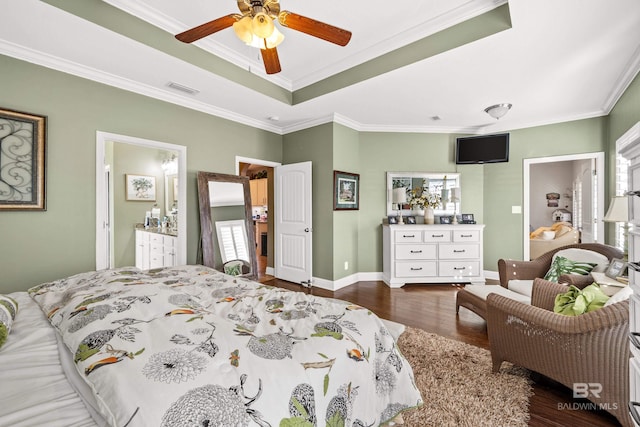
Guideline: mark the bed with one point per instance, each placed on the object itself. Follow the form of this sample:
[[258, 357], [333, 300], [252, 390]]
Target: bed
[[190, 346]]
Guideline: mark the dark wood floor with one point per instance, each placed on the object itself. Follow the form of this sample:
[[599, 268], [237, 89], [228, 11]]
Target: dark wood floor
[[432, 308]]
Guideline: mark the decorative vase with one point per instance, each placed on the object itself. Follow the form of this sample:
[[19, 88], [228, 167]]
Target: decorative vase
[[417, 212], [428, 216]]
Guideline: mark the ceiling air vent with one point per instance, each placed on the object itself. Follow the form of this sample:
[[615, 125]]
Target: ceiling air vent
[[182, 88]]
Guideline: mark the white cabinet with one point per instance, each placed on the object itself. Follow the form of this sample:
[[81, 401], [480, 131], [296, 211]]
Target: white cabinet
[[155, 250], [432, 254], [629, 147]]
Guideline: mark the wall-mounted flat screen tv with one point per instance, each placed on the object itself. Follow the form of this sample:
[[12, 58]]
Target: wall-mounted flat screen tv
[[482, 149]]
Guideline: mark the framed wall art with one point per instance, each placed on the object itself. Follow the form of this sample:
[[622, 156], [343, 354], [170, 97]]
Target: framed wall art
[[22, 161], [346, 191], [140, 188]]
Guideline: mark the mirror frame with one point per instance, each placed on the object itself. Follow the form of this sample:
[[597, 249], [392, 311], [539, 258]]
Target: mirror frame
[[424, 175], [206, 224]]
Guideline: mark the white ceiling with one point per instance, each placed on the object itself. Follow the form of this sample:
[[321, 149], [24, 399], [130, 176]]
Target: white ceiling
[[561, 60]]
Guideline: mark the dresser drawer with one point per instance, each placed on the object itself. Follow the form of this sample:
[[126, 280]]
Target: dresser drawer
[[466, 236], [416, 251], [437, 236], [416, 269], [459, 251], [459, 268], [409, 236]]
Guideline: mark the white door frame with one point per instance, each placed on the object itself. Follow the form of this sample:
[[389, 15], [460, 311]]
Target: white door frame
[[240, 159], [101, 195], [600, 176]]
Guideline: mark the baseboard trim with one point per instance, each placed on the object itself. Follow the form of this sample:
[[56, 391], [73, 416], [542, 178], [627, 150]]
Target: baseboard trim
[[334, 285]]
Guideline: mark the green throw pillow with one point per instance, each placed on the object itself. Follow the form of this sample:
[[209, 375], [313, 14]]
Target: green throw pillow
[[8, 310], [233, 268], [576, 301], [562, 265]]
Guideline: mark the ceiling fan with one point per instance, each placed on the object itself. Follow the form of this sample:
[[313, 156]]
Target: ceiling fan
[[255, 26]]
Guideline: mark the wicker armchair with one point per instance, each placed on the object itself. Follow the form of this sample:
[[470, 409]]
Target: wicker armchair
[[590, 348], [528, 270]]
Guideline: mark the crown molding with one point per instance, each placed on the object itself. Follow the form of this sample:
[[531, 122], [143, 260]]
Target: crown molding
[[630, 72], [79, 70], [462, 13]]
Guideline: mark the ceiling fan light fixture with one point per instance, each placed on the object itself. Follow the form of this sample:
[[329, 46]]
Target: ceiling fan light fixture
[[242, 28], [262, 25], [498, 110], [274, 39]]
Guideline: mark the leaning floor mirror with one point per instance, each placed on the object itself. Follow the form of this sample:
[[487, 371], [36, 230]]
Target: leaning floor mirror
[[226, 224]]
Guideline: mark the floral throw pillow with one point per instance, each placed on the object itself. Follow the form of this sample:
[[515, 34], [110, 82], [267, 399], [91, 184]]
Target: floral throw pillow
[[562, 265], [8, 310]]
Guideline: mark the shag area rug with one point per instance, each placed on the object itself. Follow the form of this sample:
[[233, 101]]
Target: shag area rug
[[458, 387]]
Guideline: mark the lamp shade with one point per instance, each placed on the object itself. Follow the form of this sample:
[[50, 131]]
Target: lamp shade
[[455, 194], [399, 195], [618, 210]]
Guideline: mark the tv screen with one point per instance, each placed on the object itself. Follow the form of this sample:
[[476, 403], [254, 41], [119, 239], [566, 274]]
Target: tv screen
[[482, 149]]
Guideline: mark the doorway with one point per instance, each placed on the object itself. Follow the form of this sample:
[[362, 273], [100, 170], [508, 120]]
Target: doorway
[[107, 214], [261, 176], [583, 194]]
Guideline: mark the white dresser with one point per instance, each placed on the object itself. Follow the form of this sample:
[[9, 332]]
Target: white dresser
[[155, 250], [432, 254], [629, 147]]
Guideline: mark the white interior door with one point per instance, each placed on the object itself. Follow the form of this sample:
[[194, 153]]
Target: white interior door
[[587, 178], [293, 233]]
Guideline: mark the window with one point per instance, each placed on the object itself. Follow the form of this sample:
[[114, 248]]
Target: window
[[622, 186], [232, 239]]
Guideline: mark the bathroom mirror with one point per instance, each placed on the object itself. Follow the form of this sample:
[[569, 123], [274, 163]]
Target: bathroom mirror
[[434, 182], [226, 222]]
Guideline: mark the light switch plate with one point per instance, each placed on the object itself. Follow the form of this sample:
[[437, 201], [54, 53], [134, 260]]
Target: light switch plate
[[516, 209]]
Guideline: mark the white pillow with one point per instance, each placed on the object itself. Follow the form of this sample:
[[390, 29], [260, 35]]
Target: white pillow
[[621, 295], [584, 255]]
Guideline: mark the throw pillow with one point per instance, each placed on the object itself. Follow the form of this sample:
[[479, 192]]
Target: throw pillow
[[585, 255], [8, 310], [578, 301], [233, 268], [622, 295], [561, 265]]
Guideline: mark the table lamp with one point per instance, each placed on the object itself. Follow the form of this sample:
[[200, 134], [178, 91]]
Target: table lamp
[[619, 212], [399, 197]]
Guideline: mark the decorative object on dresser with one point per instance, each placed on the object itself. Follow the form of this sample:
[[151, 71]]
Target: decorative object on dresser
[[432, 254], [346, 191], [23, 141], [399, 199]]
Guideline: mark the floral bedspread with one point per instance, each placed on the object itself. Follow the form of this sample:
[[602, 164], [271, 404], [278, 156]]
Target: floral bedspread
[[190, 346]]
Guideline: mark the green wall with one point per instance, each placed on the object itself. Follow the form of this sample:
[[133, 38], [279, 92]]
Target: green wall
[[41, 246], [315, 145]]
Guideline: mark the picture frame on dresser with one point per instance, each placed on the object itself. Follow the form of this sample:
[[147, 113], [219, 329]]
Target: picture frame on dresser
[[446, 219], [616, 268], [392, 219], [410, 219], [23, 148]]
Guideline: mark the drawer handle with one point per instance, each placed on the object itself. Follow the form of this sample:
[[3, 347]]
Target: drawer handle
[[457, 251], [466, 235], [408, 235], [416, 252], [459, 268], [634, 266], [634, 412], [416, 269], [633, 336], [437, 235]]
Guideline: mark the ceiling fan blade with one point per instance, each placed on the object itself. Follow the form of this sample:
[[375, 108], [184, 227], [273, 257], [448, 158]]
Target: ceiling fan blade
[[208, 28], [314, 28], [271, 60]]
